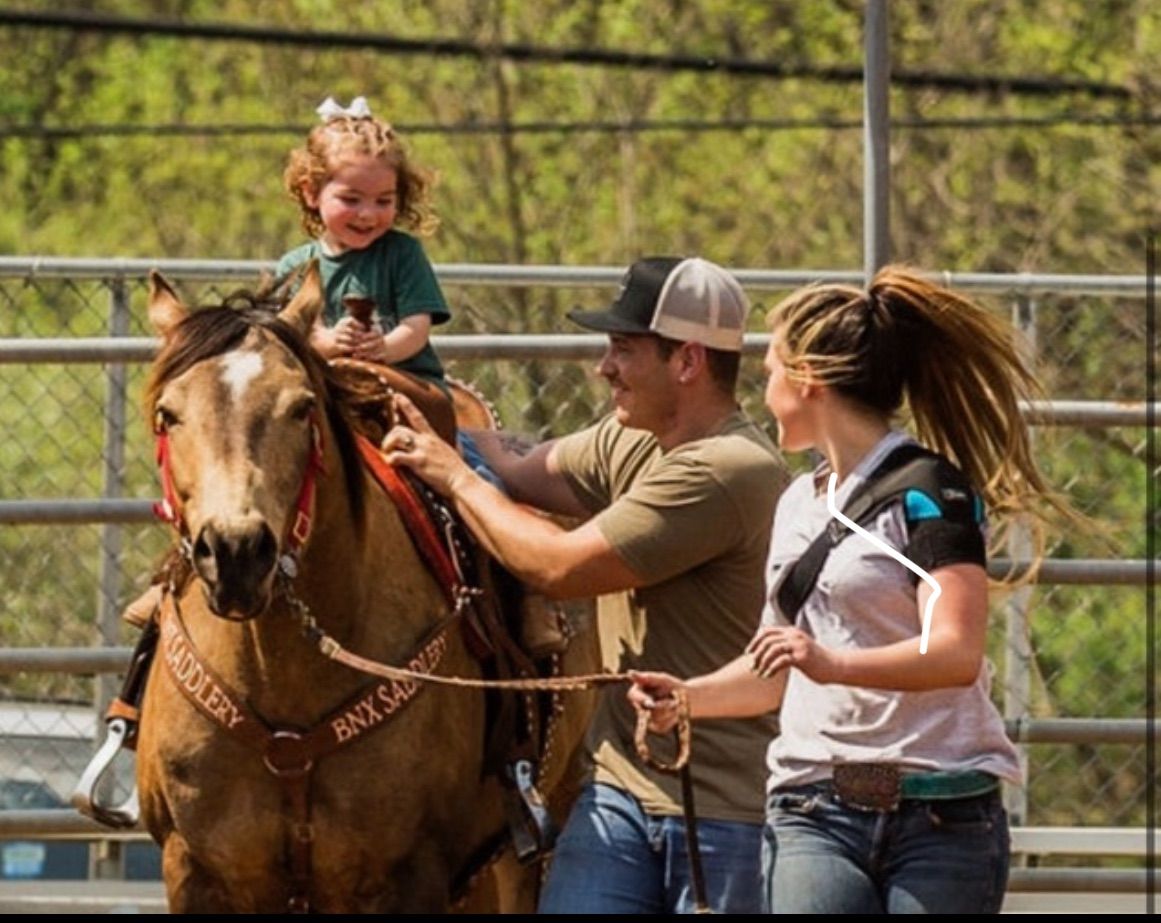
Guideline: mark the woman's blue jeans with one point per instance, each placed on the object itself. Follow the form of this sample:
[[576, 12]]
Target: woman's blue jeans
[[820, 856], [612, 857]]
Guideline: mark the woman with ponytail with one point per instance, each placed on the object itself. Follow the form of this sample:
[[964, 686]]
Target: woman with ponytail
[[884, 786]]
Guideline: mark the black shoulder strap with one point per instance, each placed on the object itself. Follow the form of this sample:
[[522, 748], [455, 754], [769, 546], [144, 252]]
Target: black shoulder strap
[[900, 470]]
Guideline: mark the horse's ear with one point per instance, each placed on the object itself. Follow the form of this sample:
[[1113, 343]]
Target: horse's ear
[[306, 305], [265, 289], [165, 309]]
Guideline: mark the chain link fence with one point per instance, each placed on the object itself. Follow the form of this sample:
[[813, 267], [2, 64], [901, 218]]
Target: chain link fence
[[74, 430]]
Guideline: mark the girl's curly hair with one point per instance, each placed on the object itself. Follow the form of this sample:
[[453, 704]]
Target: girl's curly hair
[[310, 166]]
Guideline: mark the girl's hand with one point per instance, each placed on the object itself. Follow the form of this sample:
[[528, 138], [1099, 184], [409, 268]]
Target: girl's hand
[[346, 335], [370, 345], [654, 693], [325, 341]]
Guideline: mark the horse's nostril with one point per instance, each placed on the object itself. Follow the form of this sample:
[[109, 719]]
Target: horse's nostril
[[205, 558], [232, 553], [266, 548], [203, 547], [235, 559]]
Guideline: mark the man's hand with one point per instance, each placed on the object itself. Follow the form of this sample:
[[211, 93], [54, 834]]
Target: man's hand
[[414, 444]]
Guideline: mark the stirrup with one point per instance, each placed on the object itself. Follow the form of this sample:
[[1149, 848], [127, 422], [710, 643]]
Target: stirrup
[[119, 817], [532, 827]]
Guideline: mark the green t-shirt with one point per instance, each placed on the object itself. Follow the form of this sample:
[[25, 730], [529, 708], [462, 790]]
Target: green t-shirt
[[395, 272], [694, 523]]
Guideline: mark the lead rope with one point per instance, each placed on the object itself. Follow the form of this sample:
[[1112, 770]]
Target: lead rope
[[701, 901], [680, 766]]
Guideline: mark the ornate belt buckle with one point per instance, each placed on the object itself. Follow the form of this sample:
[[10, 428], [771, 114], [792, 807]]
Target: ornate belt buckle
[[868, 786]]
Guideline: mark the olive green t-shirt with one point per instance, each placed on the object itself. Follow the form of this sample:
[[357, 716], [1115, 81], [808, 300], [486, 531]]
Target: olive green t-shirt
[[395, 273], [694, 524]]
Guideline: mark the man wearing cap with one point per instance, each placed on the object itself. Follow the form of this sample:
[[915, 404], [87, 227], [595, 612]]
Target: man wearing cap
[[677, 490]]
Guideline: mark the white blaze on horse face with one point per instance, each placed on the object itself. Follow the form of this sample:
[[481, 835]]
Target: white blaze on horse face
[[228, 481], [238, 370]]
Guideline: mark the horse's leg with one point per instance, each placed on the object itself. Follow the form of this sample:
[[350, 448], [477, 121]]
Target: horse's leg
[[189, 887], [508, 886], [417, 884], [192, 886]]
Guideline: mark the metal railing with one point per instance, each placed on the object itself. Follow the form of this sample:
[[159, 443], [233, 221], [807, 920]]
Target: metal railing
[[113, 511]]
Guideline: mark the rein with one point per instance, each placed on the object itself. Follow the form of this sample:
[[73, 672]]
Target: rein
[[680, 765]]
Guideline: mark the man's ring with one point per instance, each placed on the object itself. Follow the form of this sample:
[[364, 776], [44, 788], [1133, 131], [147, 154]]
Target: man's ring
[[406, 442]]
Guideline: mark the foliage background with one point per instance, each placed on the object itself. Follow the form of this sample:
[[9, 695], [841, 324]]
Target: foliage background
[[1065, 196], [153, 146]]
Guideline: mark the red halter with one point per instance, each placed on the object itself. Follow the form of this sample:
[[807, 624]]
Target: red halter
[[168, 508]]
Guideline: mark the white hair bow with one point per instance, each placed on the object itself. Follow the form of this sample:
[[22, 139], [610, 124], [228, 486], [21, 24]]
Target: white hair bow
[[358, 109]]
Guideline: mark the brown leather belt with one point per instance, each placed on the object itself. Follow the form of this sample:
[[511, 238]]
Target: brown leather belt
[[883, 786]]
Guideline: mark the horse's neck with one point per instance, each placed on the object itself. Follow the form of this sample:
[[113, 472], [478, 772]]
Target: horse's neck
[[370, 584]]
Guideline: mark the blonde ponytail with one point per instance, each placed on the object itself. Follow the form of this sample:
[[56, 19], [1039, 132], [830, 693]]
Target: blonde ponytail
[[955, 365]]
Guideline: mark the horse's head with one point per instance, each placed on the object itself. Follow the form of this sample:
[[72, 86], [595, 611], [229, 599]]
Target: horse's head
[[238, 402]]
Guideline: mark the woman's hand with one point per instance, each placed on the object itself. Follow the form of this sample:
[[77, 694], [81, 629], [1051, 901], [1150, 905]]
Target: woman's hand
[[776, 647], [655, 693], [414, 444]]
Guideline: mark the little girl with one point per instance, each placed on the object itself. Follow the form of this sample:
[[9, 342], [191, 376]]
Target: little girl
[[353, 181]]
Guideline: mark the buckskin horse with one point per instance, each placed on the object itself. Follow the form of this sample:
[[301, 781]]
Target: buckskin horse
[[275, 778]]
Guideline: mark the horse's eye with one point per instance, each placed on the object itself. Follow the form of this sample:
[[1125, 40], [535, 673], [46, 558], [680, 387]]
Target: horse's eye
[[163, 420], [302, 410]]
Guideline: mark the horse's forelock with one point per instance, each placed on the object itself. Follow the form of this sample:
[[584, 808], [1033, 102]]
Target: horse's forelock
[[213, 331], [201, 335]]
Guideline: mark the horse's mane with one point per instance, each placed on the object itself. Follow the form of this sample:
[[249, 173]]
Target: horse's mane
[[210, 331]]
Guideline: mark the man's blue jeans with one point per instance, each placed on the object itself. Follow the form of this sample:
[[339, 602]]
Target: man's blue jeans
[[612, 857], [819, 856]]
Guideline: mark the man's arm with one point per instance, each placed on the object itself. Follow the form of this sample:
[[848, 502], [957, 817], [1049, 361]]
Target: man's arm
[[529, 471], [564, 563]]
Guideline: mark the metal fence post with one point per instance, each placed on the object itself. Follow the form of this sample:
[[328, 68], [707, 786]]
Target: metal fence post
[[1017, 629], [107, 859], [876, 144]]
